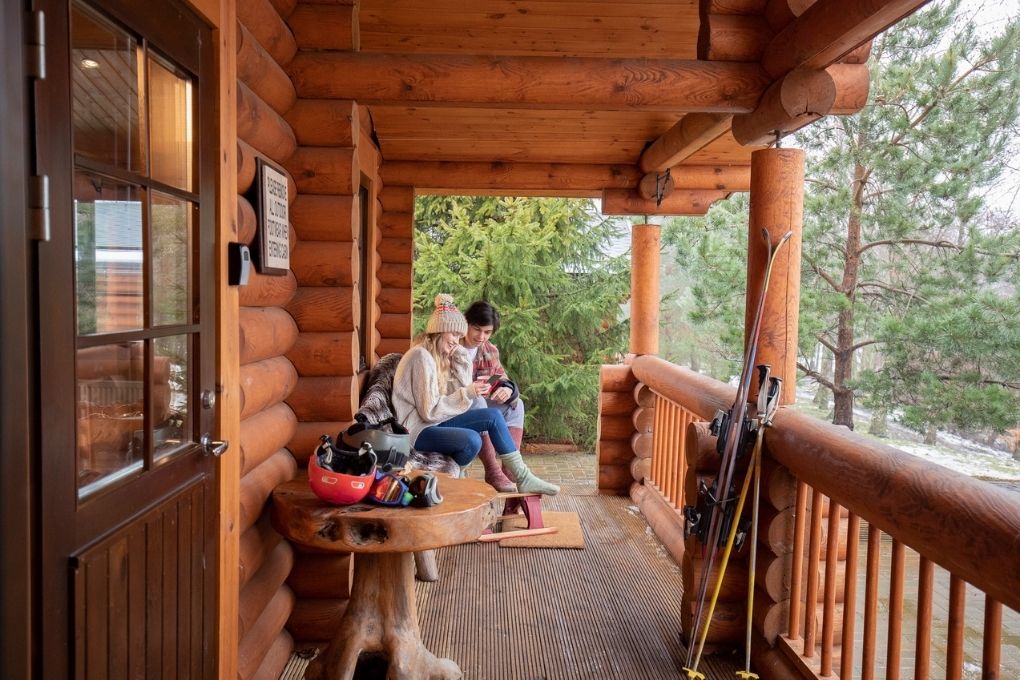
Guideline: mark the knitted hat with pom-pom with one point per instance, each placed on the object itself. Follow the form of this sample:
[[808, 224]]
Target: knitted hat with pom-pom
[[446, 318]]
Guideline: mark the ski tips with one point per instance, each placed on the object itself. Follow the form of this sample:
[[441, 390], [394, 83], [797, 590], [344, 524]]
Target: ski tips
[[779, 244], [768, 239]]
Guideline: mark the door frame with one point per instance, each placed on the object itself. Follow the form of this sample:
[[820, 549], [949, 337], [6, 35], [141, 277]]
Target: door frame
[[17, 417]]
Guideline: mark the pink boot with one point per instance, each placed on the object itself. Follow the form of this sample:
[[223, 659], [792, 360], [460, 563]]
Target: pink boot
[[494, 475]]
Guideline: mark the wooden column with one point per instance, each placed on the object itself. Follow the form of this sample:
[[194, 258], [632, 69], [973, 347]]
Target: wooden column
[[777, 204], [644, 289]]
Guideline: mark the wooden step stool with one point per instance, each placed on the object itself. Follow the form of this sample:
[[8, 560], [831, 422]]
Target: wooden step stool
[[528, 504]]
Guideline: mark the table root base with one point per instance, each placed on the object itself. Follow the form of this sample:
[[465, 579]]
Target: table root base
[[382, 618]]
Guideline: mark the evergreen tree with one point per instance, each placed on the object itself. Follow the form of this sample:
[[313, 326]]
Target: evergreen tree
[[543, 264], [897, 256]]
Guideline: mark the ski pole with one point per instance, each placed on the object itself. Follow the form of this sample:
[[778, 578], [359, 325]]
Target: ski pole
[[692, 672], [733, 434], [768, 404]]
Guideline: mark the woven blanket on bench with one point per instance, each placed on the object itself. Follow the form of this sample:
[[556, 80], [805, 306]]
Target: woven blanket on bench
[[377, 406]]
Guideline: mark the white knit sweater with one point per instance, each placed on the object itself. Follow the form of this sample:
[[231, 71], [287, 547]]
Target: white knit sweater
[[417, 400]]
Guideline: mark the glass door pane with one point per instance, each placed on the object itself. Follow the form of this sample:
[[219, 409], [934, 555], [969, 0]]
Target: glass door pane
[[109, 255], [107, 93], [111, 412], [170, 112]]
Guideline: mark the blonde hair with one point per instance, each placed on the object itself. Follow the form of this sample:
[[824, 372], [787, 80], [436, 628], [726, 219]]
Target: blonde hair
[[430, 341]]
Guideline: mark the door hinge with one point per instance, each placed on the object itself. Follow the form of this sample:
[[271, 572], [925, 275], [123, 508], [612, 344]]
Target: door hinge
[[39, 207], [35, 45]]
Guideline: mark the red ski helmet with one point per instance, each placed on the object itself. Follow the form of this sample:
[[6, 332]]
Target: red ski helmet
[[338, 488]]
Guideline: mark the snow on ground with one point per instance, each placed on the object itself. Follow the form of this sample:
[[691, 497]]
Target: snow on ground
[[984, 464], [954, 452]]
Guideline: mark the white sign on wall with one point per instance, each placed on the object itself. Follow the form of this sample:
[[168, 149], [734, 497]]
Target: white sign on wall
[[272, 238]]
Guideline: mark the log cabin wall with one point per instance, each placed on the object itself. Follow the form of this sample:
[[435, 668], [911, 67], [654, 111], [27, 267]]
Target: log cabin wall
[[394, 274], [267, 332], [337, 306], [617, 410]]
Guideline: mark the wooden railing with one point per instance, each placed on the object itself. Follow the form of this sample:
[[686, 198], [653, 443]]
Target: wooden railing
[[882, 508]]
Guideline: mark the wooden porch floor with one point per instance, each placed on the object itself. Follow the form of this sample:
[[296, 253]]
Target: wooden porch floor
[[611, 610]]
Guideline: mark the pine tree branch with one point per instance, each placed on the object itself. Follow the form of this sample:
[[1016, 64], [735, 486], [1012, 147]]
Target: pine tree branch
[[820, 183], [825, 342], [816, 376], [907, 241], [892, 289], [984, 381], [822, 274], [934, 244], [937, 101], [862, 343]]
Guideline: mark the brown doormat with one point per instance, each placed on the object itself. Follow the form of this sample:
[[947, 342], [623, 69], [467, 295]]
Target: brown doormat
[[568, 534]]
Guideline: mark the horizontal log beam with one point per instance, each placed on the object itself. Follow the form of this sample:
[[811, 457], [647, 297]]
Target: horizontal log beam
[[713, 177], [261, 127], [397, 198], [779, 13], [829, 29], [685, 202], [269, 28], [733, 37], [691, 133], [325, 122], [264, 332], [674, 85], [326, 27], [733, 6], [257, 69], [510, 176], [801, 97], [326, 218]]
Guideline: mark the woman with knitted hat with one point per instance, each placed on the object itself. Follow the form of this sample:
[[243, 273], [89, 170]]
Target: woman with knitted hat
[[432, 396]]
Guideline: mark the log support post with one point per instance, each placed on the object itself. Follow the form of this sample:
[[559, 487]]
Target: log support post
[[644, 286], [777, 204]]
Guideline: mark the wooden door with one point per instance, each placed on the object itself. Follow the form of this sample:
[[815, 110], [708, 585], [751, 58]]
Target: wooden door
[[126, 135]]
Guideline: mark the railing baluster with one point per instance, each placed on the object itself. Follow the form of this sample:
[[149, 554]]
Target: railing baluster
[[853, 538], [871, 603], [829, 608], [811, 592], [658, 435], [797, 561], [954, 641], [667, 474], [681, 462], [678, 473], [894, 639], [992, 647], [922, 651]]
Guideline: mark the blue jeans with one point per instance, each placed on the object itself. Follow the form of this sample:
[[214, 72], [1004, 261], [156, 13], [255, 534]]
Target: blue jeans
[[460, 437]]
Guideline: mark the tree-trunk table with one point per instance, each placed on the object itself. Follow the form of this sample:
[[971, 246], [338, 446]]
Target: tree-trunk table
[[382, 615]]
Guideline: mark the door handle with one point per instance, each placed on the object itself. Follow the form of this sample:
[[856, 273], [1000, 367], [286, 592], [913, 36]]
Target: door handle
[[216, 448]]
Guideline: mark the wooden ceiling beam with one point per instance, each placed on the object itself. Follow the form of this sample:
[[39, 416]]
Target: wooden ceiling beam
[[701, 177], [691, 133], [675, 85], [733, 37], [547, 179], [497, 176], [680, 202], [800, 97], [829, 29]]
